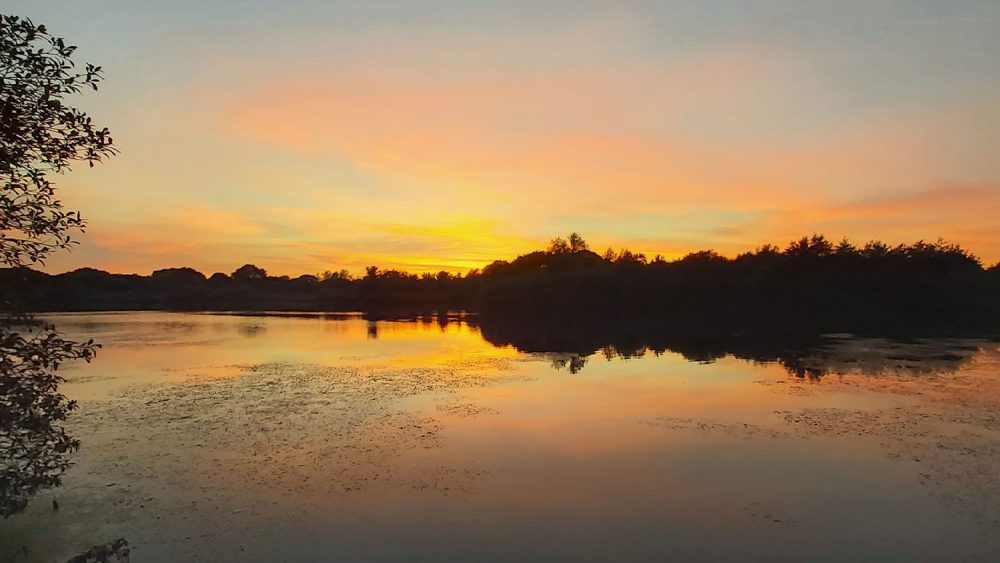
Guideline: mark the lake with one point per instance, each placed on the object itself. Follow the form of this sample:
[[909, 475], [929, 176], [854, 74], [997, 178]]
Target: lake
[[223, 437]]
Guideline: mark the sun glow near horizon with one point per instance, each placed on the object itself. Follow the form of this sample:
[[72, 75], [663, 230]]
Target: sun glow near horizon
[[328, 136]]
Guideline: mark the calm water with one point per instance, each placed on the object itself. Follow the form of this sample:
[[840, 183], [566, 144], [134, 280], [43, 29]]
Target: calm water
[[274, 438]]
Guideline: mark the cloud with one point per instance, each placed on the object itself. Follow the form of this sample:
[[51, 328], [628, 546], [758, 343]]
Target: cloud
[[435, 146]]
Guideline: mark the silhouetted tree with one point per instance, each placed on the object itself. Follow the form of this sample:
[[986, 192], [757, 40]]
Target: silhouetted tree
[[34, 443], [338, 275], [812, 284], [39, 135], [628, 257], [815, 246], [845, 249], [249, 272], [558, 245], [576, 243], [178, 276]]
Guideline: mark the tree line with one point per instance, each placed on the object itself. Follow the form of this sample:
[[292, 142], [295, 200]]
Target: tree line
[[810, 280]]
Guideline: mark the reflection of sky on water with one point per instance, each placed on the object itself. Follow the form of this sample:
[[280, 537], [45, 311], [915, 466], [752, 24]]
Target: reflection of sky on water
[[424, 441]]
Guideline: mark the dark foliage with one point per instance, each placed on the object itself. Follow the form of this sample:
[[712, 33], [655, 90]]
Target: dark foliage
[[34, 444], [573, 341], [811, 285], [39, 136]]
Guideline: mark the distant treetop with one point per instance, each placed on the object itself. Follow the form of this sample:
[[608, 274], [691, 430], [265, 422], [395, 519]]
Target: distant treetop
[[249, 272]]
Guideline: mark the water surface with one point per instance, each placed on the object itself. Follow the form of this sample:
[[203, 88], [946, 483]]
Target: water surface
[[331, 437]]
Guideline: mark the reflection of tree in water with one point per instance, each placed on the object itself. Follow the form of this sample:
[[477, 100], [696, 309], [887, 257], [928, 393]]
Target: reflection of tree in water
[[801, 353], [569, 343], [877, 356], [570, 362], [252, 330], [35, 446], [613, 352]]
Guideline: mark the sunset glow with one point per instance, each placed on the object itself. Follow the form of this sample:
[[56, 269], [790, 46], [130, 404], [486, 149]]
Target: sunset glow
[[442, 135]]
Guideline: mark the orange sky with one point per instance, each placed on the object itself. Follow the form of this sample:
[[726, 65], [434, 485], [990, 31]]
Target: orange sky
[[442, 135]]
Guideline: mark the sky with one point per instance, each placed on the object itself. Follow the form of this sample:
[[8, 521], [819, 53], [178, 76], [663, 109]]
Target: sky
[[321, 135]]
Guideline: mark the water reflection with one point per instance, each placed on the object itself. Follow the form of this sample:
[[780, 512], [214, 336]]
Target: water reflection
[[572, 344], [252, 330], [572, 363], [569, 344], [322, 435]]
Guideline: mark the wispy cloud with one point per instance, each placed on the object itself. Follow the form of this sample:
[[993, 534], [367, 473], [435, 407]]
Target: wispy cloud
[[432, 140]]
